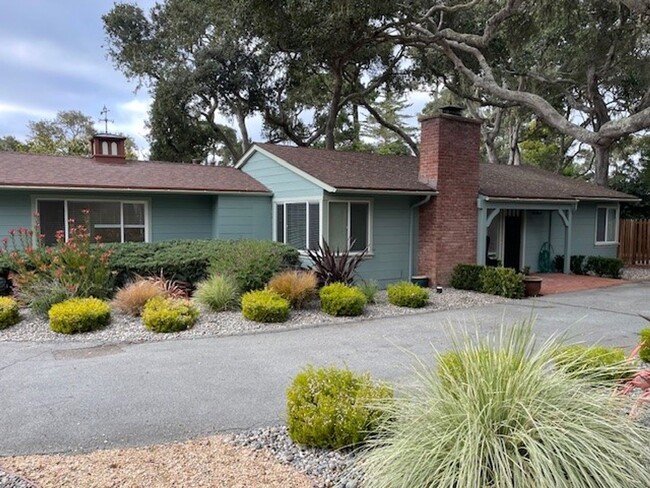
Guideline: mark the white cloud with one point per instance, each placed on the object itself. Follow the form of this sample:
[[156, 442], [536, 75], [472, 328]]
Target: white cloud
[[130, 118], [35, 112]]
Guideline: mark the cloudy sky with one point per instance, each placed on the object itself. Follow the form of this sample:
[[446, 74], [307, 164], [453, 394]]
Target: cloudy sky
[[51, 59]]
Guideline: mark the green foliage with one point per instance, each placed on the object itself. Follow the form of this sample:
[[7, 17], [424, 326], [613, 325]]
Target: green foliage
[[505, 282], [298, 287], [249, 262], [595, 362], [218, 293], [466, 277], [42, 294], [644, 352], [339, 299], [369, 288], [9, 312], [497, 416], [577, 265], [264, 306], [80, 264], [169, 314], [79, 315], [335, 266], [602, 266], [405, 294], [333, 408]]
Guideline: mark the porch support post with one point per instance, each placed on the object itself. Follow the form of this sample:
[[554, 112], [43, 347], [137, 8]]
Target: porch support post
[[485, 218], [567, 219]]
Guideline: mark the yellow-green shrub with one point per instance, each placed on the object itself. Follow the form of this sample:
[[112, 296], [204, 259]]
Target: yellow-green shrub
[[405, 294], [339, 299], [169, 314], [296, 286], [79, 315], [264, 306], [595, 362], [9, 314], [644, 338], [333, 408]]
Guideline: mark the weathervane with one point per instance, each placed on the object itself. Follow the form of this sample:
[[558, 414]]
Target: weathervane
[[106, 120]]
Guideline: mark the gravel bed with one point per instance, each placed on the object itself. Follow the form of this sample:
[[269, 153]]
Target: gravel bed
[[331, 468], [636, 273], [124, 328], [10, 480]]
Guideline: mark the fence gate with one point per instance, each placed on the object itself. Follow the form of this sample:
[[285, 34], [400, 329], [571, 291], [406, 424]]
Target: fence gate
[[634, 238]]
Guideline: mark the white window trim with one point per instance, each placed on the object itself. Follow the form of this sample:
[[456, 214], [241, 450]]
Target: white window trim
[[145, 202], [370, 203], [606, 243], [307, 202]]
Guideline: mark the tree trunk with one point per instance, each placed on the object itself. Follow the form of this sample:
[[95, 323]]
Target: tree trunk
[[243, 131], [514, 156], [601, 164], [334, 109]]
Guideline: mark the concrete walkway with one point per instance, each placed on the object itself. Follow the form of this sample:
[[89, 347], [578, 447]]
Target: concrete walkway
[[71, 397]]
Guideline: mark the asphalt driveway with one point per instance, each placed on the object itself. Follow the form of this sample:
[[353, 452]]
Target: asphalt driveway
[[78, 397]]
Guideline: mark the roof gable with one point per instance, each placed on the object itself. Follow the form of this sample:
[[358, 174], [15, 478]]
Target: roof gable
[[24, 170]]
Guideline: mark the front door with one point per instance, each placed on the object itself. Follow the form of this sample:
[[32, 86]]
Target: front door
[[512, 241]]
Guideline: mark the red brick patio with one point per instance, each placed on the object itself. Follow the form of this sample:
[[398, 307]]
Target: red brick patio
[[553, 283]]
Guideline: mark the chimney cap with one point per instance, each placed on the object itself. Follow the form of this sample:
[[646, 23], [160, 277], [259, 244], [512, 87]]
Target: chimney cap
[[456, 110]]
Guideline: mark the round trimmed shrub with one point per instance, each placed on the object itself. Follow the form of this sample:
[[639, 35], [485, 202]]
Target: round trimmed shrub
[[169, 314], [333, 408], [405, 294], [218, 293], [9, 313], [595, 362], [264, 306], [339, 299], [79, 315], [644, 338]]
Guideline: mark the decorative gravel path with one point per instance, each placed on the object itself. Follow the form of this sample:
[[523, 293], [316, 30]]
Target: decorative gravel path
[[124, 328]]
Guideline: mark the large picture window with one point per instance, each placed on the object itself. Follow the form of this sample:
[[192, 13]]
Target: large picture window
[[113, 221], [349, 225], [298, 224], [606, 225]]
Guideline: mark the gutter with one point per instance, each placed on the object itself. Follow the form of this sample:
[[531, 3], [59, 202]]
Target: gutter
[[429, 193], [133, 190], [413, 207]]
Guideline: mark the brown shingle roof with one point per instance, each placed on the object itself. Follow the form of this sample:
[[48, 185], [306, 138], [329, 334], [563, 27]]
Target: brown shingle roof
[[35, 170], [361, 171], [527, 182], [353, 170]]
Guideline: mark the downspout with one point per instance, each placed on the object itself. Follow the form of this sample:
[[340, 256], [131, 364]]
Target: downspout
[[413, 207]]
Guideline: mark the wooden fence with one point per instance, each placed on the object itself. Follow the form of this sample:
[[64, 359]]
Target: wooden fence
[[634, 238]]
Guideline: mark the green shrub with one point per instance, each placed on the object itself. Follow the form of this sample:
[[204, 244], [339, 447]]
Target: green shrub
[[42, 293], [333, 408], [466, 277], [644, 351], [369, 288], [79, 315], [339, 299], [218, 293], [169, 314], [596, 362], [577, 265], [505, 282], [298, 287], [507, 421], [264, 306], [405, 294], [9, 312], [190, 260], [602, 266], [253, 263]]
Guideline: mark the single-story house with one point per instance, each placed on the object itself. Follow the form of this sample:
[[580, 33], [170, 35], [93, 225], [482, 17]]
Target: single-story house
[[415, 216]]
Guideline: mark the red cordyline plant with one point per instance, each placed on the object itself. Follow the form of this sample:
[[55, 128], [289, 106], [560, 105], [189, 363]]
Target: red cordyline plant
[[79, 264], [332, 266]]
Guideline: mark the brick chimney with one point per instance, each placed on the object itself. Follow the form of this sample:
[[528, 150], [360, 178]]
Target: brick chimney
[[108, 148], [449, 162]]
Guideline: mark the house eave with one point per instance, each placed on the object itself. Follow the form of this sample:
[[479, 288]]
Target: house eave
[[364, 191], [608, 199], [131, 190], [529, 200]]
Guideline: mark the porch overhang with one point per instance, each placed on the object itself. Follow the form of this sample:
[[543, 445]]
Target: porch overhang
[[489, 207]]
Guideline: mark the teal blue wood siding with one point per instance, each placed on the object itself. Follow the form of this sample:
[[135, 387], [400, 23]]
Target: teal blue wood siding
[[181, 217], [389, 261], [15, 211], [543, 226], [284, 184], [242, 217]]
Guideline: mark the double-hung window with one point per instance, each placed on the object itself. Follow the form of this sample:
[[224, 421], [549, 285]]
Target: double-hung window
[[606, 225], [112, 221], [298, 224], [349, 225]]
